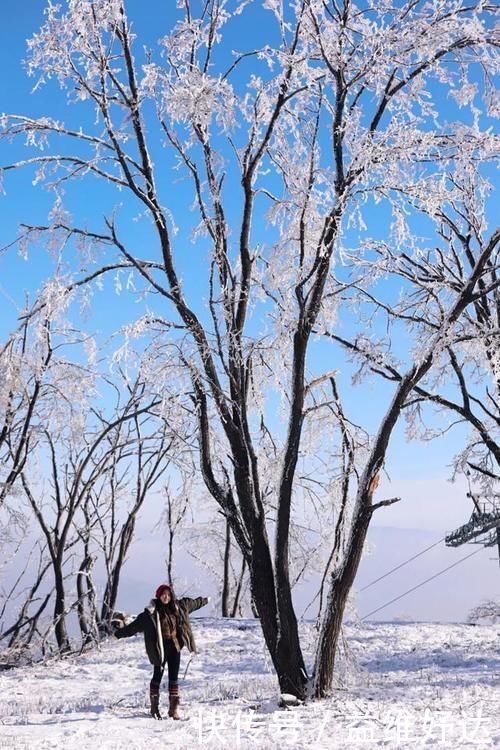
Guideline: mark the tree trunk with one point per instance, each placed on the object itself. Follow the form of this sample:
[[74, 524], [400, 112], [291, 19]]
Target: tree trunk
[[341, 583], [236, 602], [343, 578], [276, 613], [289, 661], [82, 595], [283, 643], [86, 601], [225, 580], [170, 557], [113, 582], [60, 628]]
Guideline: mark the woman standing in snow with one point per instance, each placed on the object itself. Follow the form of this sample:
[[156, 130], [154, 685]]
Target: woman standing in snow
[[166, 627]]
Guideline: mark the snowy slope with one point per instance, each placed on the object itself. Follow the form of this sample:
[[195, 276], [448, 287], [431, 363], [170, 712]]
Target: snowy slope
[[400, 685]]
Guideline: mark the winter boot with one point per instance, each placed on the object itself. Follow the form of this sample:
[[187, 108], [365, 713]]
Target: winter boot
[[174, 702], [154, 694]]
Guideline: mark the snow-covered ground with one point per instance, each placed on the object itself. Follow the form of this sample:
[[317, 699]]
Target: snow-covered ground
[[404, 685]]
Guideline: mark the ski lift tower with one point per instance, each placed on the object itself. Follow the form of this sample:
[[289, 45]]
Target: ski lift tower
[[483, 527]]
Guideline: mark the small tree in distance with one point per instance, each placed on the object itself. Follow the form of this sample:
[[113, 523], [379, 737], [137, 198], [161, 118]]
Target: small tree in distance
[[298, 152]]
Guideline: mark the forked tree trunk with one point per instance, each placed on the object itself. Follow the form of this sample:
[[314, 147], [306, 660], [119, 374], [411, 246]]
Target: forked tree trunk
[[288, 660], [113, 582], [281, 640]]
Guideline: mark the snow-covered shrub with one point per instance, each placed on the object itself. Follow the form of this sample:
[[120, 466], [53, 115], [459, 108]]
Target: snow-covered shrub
[[486, 612]]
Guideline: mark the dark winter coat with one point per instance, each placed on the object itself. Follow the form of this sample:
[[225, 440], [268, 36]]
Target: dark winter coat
[[148, 622]]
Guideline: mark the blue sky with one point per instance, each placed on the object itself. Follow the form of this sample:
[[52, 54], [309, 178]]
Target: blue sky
[[418, 471]]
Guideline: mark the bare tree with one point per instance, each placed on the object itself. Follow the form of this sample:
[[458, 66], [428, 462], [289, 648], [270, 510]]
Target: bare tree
[[452, 293], [153, 451], [77, 465], [176, 506]]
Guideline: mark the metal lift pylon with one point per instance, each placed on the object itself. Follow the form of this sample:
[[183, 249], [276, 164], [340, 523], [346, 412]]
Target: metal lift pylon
[[483, 527]]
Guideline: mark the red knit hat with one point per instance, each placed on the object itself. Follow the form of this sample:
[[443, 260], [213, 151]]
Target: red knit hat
[[161, 590]]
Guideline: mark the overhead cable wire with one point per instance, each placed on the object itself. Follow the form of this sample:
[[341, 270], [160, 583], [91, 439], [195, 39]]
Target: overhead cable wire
[[414, 588], [401, 565]]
